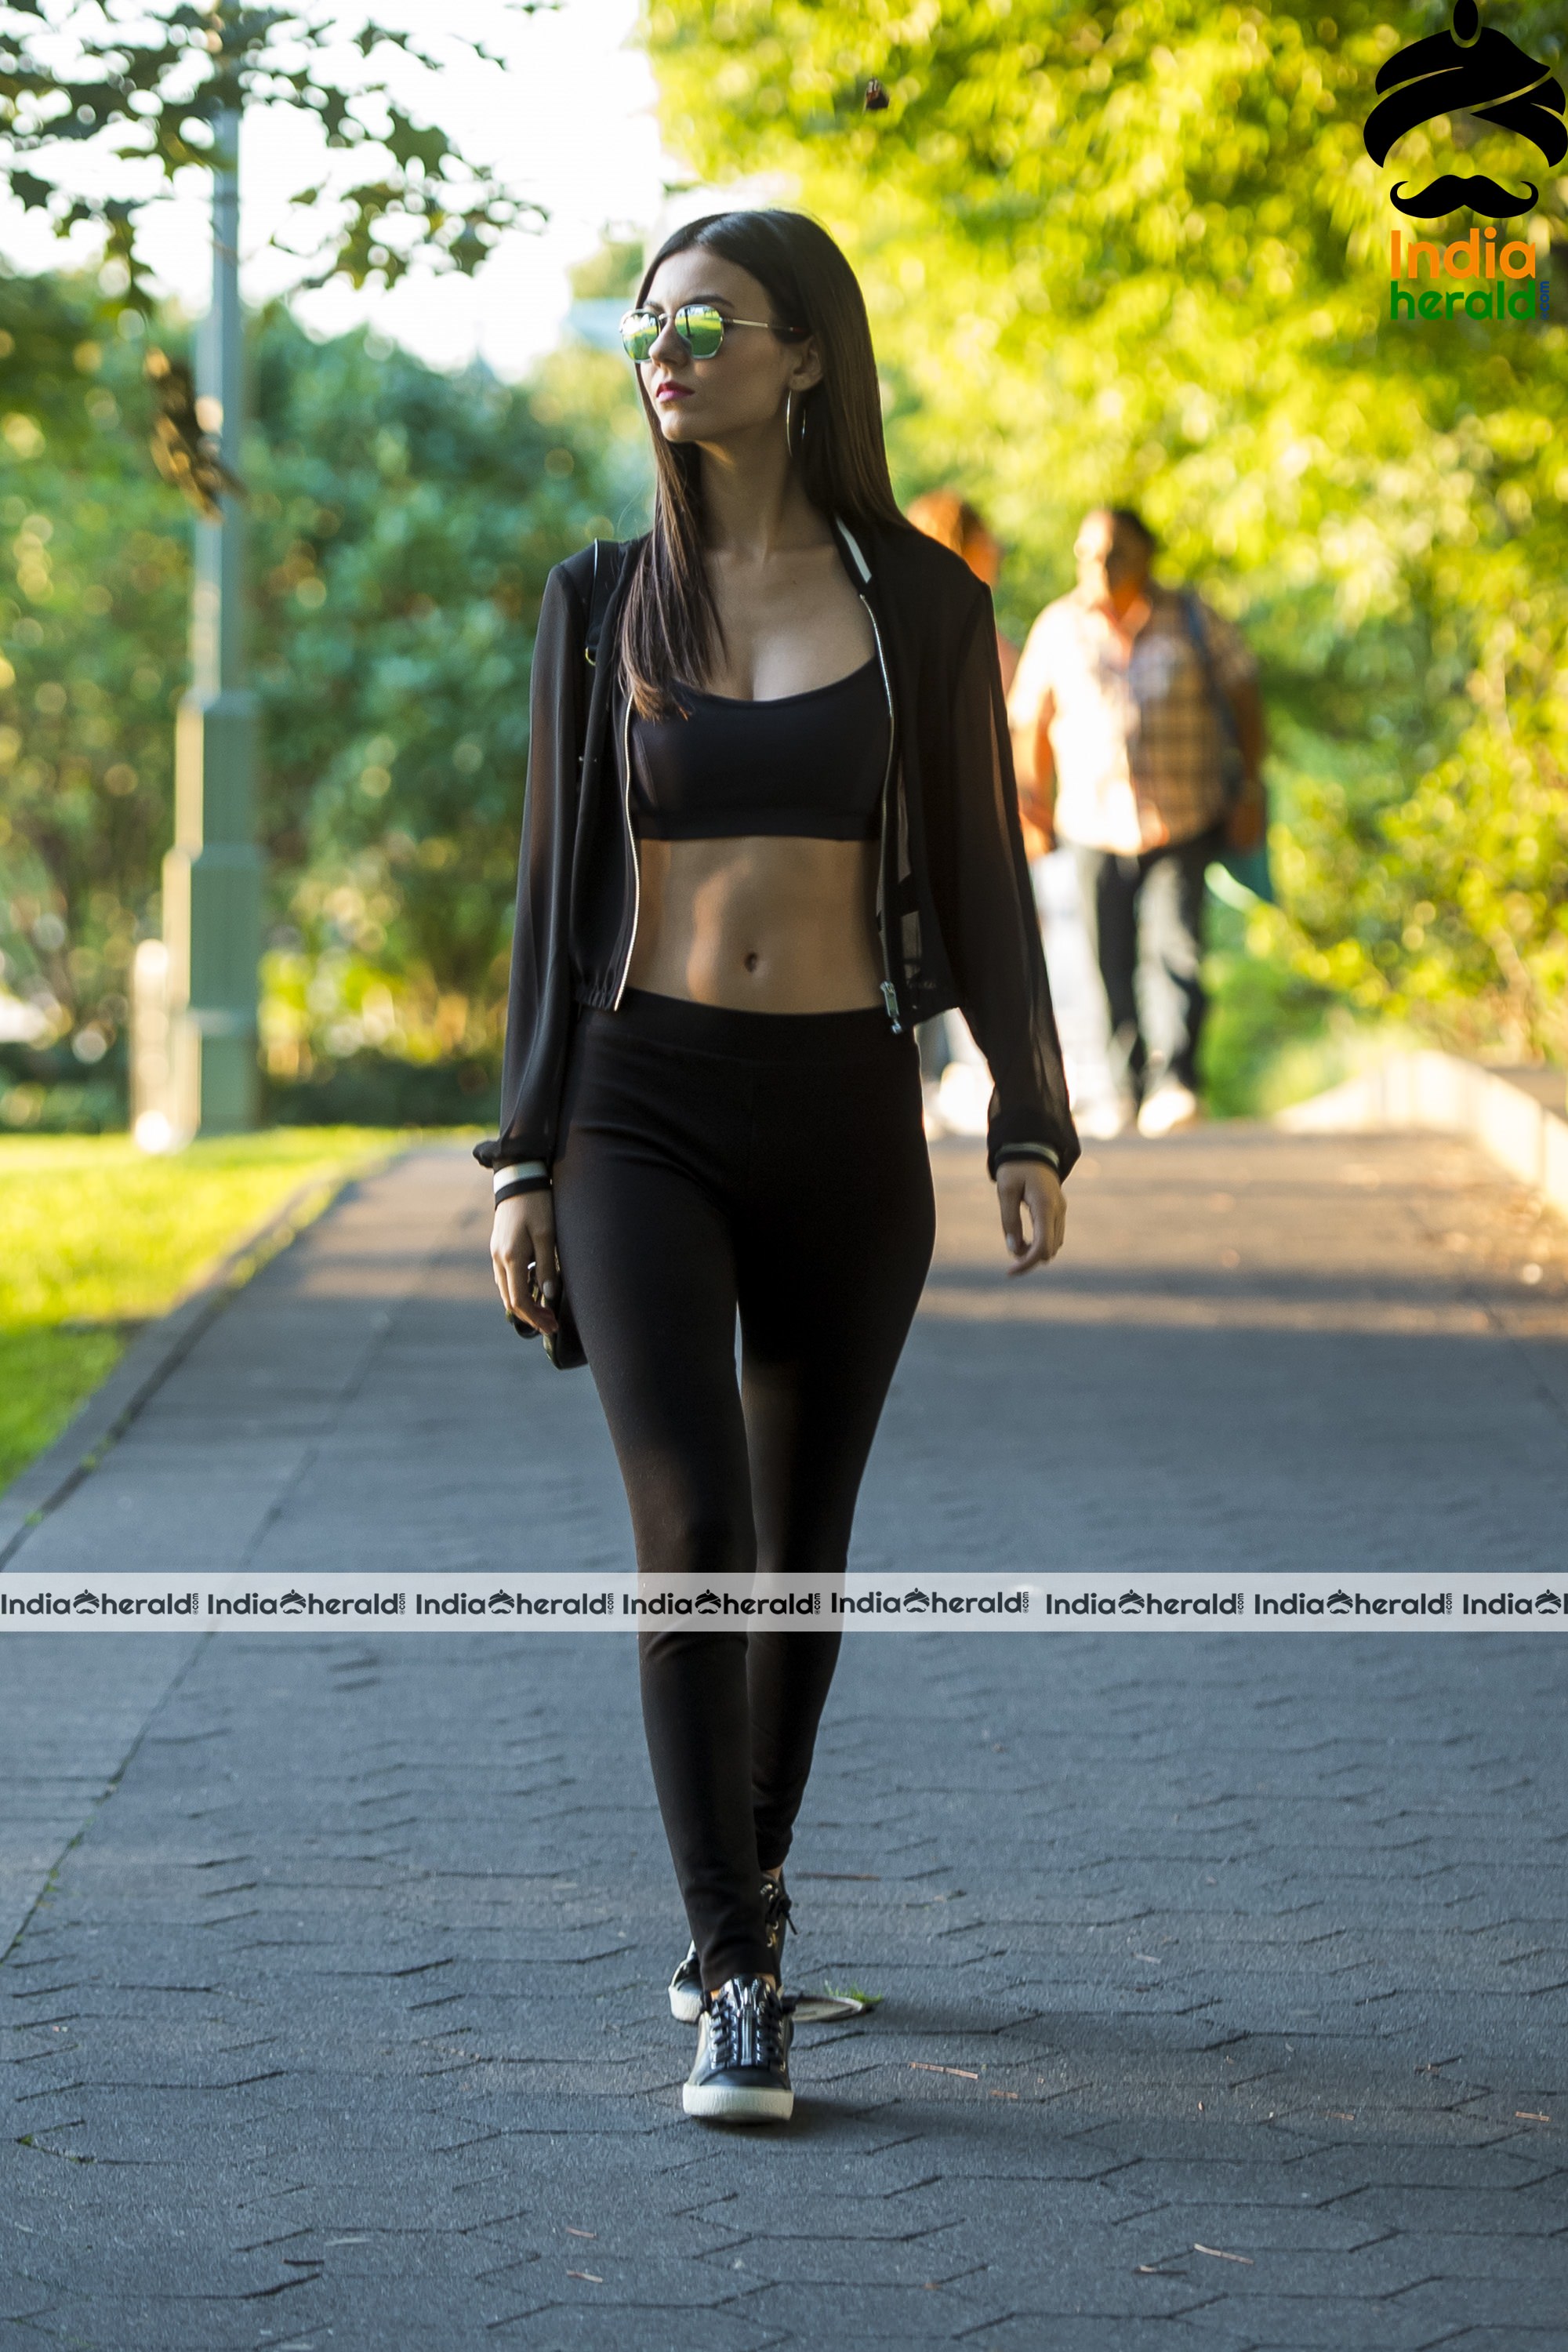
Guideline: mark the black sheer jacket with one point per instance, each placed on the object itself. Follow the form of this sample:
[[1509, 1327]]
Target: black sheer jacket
[[955, 908]]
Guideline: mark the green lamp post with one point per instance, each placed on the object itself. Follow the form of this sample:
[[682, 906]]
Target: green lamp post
[[212, 876]]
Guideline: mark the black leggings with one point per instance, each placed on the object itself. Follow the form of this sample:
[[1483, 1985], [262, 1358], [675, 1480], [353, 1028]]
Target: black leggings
[[774, 1164]]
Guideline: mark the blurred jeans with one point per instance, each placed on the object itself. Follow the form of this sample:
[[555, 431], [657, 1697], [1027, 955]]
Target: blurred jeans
[[1144, 917]]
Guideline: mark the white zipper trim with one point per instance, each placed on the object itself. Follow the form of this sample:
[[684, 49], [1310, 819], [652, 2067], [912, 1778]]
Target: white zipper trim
[[890, 994], [853, 544], [631, 849]]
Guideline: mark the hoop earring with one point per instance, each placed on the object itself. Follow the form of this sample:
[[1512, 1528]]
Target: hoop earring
[[789, 436]]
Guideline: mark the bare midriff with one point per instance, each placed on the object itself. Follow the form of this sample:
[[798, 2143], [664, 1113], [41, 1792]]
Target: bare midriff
[[759, 923]]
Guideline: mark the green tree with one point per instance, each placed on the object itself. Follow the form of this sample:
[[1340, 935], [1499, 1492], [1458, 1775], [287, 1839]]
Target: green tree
[[150, 92], [94, 581], [403, 523], [406, 521], [161, 80], [1139, 253]]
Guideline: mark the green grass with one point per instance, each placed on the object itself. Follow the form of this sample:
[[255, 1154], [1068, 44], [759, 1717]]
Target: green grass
[[97, 1238], [851, 1992]]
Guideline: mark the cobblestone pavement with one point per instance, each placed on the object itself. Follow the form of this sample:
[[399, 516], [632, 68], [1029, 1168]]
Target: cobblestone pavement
[[1225, 1975]]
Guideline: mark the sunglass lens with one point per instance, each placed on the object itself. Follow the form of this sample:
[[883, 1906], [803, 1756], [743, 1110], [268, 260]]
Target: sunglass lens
[[639, 332], [701, 329]]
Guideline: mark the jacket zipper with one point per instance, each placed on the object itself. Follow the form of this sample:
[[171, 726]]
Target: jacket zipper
[[890, 994], [631, 850]]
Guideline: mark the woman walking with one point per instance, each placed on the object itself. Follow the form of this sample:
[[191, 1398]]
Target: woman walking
[[771, 824]]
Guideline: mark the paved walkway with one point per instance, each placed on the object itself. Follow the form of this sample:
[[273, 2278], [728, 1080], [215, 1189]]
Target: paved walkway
[[1225, 1977]]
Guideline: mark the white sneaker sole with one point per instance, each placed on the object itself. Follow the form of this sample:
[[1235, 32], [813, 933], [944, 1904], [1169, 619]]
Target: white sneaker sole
[[723, 2102], [684, 2004], [1159, 1118]]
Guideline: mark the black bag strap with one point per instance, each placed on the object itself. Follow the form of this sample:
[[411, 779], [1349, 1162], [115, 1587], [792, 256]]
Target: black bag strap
[[1191, 615], [1225, 716], [605, 574], [609, 556]]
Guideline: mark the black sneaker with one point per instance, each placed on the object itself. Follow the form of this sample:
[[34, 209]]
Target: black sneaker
[[686, 1984], [685, 1989], [742, 2074]]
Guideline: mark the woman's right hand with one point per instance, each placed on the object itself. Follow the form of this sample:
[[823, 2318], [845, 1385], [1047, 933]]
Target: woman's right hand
[[523, 1241]]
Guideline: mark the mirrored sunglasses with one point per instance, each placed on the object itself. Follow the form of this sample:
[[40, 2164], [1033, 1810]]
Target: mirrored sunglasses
[[701, 326]]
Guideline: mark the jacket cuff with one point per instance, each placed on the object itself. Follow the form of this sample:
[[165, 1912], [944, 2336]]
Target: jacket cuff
[[522, 1176], [499, 1156], [1046, 1152], [534, 1170]]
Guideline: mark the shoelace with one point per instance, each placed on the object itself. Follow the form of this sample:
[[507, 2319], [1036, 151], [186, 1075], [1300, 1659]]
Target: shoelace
[[776, 1907], [745, 2024]]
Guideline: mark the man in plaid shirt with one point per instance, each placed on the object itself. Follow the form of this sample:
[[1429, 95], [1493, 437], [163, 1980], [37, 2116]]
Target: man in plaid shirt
[[1121, 753]]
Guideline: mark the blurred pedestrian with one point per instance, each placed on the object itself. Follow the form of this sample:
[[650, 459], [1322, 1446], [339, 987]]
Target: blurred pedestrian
[[1122, 749], [946, 517]]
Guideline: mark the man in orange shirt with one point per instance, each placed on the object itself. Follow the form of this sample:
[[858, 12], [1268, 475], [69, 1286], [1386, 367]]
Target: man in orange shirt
[[1121, 754]]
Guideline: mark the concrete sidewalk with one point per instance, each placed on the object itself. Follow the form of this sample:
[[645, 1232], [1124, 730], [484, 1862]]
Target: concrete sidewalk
[[1225, 1977]]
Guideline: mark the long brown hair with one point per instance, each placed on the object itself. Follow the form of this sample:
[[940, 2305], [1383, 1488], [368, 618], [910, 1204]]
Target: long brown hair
[[672, 627]]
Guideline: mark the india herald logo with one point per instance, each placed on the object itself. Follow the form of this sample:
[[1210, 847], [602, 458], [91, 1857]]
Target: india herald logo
[[1477, 72]]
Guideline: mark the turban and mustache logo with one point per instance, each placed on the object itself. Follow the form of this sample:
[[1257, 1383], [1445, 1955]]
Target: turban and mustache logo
[[1492, 78]]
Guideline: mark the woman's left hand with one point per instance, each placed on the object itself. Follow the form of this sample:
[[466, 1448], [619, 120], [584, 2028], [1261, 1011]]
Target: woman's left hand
[[1032, 1185]]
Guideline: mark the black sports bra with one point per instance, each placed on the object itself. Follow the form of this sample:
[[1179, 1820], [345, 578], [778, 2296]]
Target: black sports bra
[[810, 764]]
